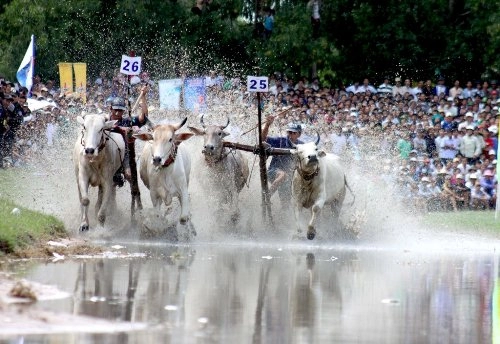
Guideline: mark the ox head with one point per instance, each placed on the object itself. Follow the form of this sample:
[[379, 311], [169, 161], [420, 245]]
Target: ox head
[[165, 141], [93, 138], [307, 155], [213, 138]]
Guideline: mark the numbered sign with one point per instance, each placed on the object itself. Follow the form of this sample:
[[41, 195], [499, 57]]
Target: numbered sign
[[130, 65], [257, 84]]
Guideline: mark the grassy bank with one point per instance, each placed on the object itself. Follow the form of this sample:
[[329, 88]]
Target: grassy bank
[[19, 230], [473, 221]]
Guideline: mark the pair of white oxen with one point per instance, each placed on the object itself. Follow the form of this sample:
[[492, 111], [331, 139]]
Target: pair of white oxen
[[165, 166]]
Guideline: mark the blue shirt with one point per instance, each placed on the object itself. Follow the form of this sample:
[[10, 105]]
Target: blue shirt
[[282, 162]]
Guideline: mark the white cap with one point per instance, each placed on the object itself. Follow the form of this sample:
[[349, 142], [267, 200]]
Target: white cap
[[449, 114], [469, 114], [449, 99]]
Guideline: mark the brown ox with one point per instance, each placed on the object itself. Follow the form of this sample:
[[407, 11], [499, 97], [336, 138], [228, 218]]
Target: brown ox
[[227, 169]]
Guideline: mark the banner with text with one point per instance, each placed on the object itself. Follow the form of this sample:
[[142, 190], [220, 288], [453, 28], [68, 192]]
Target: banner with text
[[170, 93], [194, 94], [80, 69], [66, 77]]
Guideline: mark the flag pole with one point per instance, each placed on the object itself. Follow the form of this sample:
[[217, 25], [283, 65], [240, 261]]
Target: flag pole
[[497, 204]]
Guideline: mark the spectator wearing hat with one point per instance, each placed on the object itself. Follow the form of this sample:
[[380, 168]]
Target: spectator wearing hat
[[479, 199], [399, 88], [281, 166], [469, 121], [462, 192], [488, 183]]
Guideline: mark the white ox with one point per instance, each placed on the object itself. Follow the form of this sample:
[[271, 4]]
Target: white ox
[[165, 166], [97, 155], [227, 169], [318, 180]]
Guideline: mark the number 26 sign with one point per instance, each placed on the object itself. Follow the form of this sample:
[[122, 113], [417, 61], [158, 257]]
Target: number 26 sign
[[130, 65], [257, 84]]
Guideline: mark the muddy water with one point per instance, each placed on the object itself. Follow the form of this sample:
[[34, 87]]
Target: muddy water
[[269, 293]]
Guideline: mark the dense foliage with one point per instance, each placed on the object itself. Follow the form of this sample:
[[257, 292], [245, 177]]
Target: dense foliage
[[418, 39]]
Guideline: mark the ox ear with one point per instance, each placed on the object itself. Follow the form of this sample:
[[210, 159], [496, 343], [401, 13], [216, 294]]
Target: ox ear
[[321, 153], [225, 133], [144, 136], [179, 138], [110, 124], [80, 120], [196, 131]]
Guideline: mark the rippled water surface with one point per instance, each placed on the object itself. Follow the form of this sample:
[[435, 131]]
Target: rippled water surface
[[251, 293]]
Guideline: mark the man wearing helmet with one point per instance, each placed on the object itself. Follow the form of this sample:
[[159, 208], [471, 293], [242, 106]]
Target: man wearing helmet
[[125, 126], [281, 166]]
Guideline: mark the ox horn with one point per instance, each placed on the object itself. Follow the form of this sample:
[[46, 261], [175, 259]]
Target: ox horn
[[317, 141], [224, 127], [178, 126], [201, 121]]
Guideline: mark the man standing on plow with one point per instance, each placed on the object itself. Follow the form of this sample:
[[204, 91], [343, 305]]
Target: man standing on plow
[[126, 126], [281, 166]]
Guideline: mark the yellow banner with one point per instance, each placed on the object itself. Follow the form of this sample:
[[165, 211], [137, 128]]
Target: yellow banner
[[66, 77], [81, 80]]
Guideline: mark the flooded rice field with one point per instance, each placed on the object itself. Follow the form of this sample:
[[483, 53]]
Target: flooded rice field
[[392, 280], [264, 293]]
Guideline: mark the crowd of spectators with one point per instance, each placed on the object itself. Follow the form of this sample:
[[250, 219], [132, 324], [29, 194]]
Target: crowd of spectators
[[434, 145]]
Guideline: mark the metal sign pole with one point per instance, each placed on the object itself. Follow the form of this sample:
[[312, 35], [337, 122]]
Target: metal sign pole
[[266, 202], [134, 184]]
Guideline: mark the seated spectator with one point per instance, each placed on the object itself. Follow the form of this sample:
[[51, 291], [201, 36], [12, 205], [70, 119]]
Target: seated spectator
[[479, 199]]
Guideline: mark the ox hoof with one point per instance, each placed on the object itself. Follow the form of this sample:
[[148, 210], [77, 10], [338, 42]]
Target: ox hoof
[[311, 233], [184, 220], [84, 227]]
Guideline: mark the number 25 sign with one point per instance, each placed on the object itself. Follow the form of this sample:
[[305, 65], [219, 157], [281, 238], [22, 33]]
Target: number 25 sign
[[257, 84], [130, 65]]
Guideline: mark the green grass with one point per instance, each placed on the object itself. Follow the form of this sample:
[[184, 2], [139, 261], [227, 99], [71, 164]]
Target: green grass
[[480, 221], [27, 228]]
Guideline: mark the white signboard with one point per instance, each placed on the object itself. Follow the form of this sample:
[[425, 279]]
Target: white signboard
[[257, 84], [130, 65]]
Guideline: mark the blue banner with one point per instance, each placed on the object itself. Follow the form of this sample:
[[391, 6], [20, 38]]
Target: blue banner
[[194, 94]]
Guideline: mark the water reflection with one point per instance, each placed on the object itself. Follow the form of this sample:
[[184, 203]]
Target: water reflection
[[225, 294]]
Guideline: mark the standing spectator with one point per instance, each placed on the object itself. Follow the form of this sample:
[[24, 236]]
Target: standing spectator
[[338, 140], [398, 88], [419, 143], [404, 145], [367, 87], [268, 22], [470, 147], [418, 89], [427, 90], [440, 90], [315, 5], [468, 91], [456, 90], [385, 87], [448, 148]]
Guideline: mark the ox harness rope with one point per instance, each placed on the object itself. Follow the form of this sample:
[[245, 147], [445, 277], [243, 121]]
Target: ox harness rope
[[171, 156], [306, 176], [104, 138]]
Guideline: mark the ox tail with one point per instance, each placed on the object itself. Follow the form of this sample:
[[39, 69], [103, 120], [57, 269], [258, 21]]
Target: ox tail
[[350, 190]]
